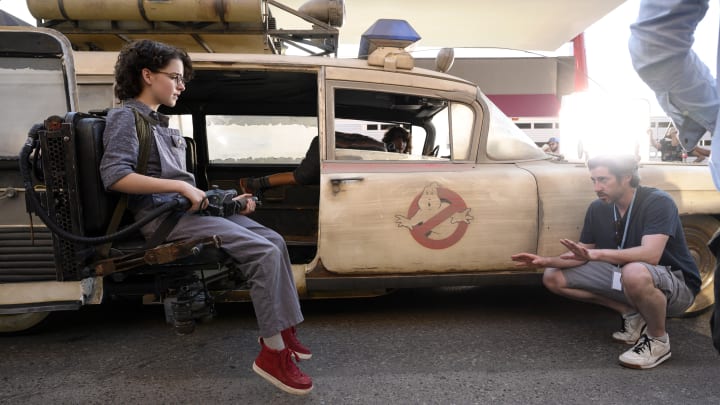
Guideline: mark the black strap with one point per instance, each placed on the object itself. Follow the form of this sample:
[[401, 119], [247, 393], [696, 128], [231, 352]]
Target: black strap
[[171, 220], [144, 134], [162, 231]]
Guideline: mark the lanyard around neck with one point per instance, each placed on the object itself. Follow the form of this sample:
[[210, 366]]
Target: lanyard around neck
[[627, 219]]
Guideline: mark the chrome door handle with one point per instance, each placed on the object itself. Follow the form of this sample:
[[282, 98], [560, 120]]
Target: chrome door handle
[[336, 183]]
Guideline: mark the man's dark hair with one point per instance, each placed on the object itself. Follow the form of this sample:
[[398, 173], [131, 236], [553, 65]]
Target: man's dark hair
[[145, 54], [618, 165], [395, 133]]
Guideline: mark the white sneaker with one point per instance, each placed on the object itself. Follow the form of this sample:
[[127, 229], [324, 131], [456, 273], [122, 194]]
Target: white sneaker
[[632, 327], [647, 353]]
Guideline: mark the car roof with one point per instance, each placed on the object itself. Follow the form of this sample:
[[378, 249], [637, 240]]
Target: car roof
[[103, 62]]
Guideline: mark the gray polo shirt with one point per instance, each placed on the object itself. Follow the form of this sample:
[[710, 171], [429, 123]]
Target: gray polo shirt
[[167, 152]]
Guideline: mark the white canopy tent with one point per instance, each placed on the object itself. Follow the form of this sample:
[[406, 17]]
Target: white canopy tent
[[535, 25]]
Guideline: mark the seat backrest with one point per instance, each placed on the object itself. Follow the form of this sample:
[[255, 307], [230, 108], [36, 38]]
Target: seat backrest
[[191, 163], [190, 155], [98, 205]]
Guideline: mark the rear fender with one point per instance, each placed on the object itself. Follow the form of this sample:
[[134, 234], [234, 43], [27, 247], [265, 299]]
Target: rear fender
[[40, 296]]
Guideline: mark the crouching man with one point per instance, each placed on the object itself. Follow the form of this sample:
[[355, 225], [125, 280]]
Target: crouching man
[[632, 257]]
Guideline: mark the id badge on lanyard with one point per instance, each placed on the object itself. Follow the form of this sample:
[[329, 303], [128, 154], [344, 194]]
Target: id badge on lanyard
[[616, 280]]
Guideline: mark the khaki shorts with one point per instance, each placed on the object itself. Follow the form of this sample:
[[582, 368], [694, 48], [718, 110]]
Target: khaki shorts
[[597, 277]]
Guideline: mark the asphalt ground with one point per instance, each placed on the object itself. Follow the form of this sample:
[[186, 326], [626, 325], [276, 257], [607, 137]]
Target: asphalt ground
[[474, 345]]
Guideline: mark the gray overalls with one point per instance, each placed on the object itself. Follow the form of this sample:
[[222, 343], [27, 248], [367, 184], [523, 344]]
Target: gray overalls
[[260, 253]]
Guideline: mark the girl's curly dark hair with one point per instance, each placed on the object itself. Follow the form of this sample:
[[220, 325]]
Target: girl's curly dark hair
[[139, 55]]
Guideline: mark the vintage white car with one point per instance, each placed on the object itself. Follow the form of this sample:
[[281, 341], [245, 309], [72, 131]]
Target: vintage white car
[[473, 191]]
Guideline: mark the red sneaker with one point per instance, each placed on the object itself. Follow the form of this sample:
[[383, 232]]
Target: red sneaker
[[278, 367], [289, 336]]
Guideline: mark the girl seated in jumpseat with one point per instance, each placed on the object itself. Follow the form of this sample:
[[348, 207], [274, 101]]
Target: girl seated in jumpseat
[[148, 74]]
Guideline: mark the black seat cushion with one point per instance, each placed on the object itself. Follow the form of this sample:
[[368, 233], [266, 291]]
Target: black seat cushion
[[98, 205], [190, 155]]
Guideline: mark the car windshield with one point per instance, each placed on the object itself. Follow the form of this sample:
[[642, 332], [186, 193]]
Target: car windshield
[[505, 140]]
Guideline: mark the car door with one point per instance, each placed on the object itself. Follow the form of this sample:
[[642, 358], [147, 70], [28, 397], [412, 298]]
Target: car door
[[37, 79], [432, 211]]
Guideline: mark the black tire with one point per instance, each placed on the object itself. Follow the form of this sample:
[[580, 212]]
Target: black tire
[[698, 231], [20, 323]]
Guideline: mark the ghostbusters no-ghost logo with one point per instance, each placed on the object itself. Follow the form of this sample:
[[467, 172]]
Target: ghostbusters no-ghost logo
[[437, 217]]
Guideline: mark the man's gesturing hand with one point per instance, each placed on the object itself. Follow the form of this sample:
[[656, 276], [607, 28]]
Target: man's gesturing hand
[[529, 260], [576, 251]]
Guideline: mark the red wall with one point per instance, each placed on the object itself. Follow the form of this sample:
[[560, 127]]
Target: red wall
[[527, 105]]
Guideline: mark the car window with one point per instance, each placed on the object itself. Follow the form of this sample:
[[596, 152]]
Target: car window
[[437, 129], [460, 118], [376, 132], [32, 89], [183, 123], [258, 139]]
